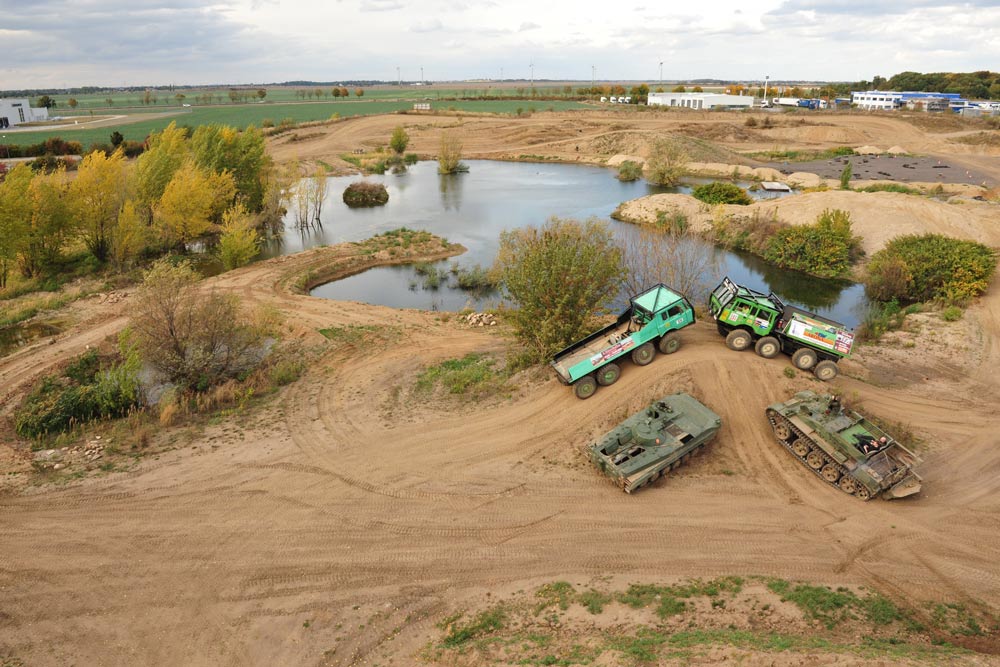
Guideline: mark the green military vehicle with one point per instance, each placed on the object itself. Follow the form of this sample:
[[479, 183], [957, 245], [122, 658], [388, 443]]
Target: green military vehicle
[[655, 441], [747, 317], [843, 448], [650, 323]]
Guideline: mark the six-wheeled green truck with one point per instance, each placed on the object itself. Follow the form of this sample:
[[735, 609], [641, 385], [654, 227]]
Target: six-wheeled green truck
[[747, 317], [650, 323]]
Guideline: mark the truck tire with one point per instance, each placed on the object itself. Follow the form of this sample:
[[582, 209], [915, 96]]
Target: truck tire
[[826, 370], [608, 374], [804, 358], [738, 340], [643, 354], [585, 387], [768, 347], [670, 343]]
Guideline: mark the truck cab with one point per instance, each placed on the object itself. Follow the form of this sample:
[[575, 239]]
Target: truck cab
[[650, 323]]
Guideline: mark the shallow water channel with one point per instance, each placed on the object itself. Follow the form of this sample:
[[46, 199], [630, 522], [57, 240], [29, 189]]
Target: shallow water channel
[[473, 208]]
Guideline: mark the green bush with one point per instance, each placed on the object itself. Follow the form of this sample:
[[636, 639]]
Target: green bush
[[558, 277], [82, 393], [845, 176], [411, 158], [825, 248], [722, 193], [930, 267], [364, 193], [890, 187], [629, 170], [951, 314]]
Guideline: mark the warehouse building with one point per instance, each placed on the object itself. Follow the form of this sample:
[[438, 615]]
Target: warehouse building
[[888, 100], [14, 111], [704, 101]]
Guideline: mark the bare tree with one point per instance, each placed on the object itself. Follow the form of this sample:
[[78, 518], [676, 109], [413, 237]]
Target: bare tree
[[317, 192], [667, 253]]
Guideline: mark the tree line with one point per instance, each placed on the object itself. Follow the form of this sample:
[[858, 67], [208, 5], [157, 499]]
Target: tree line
[[216, 181]]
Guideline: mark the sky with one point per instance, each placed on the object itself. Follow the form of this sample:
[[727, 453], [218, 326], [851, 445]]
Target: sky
[[69, 43]]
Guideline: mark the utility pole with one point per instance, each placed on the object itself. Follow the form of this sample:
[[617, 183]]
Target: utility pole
[[661, 74], [421, 76], [593, 76]]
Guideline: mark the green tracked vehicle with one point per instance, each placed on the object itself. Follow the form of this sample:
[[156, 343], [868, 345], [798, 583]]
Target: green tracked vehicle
[[843, 448], [654, 441]]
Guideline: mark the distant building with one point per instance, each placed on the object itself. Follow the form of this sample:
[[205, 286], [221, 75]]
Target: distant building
[[700, 100], [15, 111], [888, 100]]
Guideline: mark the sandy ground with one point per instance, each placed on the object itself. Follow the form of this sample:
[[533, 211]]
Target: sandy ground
[[340, 522]]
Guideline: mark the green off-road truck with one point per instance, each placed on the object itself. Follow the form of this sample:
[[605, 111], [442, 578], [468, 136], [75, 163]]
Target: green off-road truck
[[747, 317], [650, 323]]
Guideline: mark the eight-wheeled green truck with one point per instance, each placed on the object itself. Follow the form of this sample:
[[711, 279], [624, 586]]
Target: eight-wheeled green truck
[[747, 317], [650, 323]]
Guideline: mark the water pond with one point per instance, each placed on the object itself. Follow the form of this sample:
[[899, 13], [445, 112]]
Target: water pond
[[473, 208]]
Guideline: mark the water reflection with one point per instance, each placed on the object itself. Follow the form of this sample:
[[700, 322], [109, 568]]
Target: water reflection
[[16, 335], [451, 186]]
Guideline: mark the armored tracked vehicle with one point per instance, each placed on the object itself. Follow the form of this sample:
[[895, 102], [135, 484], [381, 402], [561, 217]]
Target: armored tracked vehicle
[[653, 442], [843, 448]]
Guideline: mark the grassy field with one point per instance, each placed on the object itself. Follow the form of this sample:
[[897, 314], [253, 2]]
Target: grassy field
[[241, 115], [167, 98]]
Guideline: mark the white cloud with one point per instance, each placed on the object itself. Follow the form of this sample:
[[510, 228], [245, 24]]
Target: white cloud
[[94, 42]]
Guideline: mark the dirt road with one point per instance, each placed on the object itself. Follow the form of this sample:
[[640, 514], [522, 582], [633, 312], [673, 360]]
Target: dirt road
[[339, 522], [341, 519]]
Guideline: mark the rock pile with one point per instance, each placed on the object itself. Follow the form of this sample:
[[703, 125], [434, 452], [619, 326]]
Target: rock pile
[[480, 319]]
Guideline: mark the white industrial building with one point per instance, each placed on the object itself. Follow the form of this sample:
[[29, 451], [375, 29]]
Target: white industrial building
[[700, 100], [14, 111]]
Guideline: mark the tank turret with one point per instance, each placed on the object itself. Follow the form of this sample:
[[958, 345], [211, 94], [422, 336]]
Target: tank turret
[[654, 441], [844, 448]]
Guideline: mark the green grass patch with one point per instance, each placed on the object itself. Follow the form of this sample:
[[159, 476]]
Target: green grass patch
[[777, 155], [593, 600], [356, 334], [484, 623], [890, 187], [474, 375], [241, 115], [557, 594]]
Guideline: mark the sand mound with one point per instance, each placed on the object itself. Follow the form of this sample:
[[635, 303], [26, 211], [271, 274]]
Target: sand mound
[[877, 217], [897, 150], [616, 160], [868, 150]]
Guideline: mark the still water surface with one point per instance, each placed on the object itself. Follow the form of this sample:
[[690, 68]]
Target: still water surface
[[473, 208]]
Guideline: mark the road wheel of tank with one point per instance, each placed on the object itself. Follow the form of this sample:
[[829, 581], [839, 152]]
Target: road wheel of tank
[[738, 340], [826, 370], [863, 492], [848, 485], [830, 473], [669, 343], [585, 387], [815, 459], [801, 448], [804, 358], [608, 374], [768, 347], [643, 354], [782, 431]]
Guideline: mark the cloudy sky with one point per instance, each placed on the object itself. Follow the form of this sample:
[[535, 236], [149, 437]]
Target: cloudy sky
[[58, 43]]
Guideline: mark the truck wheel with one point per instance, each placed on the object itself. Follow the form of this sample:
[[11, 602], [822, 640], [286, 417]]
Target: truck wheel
[[826, 370], [723, 331], [643, 354], [768, 347], [804, 358], [608, 374], [738, 340], [585, 387], [670, 343]]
